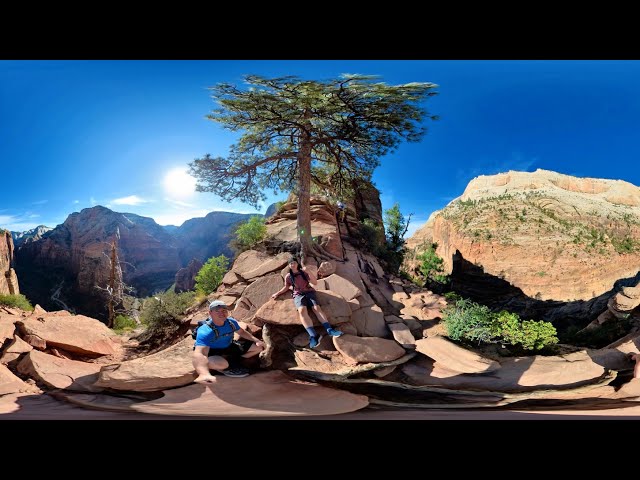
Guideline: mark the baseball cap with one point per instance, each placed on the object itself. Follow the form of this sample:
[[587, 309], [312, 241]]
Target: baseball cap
[[218, 303]]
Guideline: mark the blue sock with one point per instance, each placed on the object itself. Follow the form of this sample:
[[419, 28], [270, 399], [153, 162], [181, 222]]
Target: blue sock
[[326, 325], [311, 331]]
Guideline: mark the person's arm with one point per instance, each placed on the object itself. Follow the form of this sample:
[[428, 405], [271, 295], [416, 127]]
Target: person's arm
[[200, 362], [281, 291], [312, 279], [242, 333]]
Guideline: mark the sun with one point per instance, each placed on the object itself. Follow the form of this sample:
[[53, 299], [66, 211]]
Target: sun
[[178, 183]]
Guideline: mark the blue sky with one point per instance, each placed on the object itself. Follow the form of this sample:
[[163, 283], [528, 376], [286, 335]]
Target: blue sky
[[74, 134]]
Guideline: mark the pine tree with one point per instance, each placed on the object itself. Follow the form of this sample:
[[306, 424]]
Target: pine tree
[[298, 132]]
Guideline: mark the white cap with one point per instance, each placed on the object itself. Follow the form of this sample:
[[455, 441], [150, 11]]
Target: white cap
[[218, 303]]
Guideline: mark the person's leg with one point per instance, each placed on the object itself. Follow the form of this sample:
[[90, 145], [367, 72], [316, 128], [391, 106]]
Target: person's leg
[[636, 369], [253, 351], [304, 317], [306, 321], [324, 320], [218, 363], [225, 360]]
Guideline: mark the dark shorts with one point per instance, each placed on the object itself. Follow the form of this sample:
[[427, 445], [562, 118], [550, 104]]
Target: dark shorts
[[236, 349], [307, 299]]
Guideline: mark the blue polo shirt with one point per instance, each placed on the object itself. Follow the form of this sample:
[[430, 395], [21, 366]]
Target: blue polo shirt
[[206, 337]]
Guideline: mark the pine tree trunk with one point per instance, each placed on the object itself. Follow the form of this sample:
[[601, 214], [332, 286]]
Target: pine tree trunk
[[112, 284], [304, 194]]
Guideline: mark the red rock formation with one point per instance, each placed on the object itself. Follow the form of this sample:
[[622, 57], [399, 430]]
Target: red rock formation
[[8, 278], [551, 235], [186, 277]]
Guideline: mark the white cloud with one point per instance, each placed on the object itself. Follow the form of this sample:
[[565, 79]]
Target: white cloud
[[93, 201], [16, 223], [34, 215], [130, 200], [179, 203], [75, 202], [39, 202], [21, 226]]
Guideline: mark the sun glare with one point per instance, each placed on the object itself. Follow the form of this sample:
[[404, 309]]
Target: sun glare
[[178, 183]]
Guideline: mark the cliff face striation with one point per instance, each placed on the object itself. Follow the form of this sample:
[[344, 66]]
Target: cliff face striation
[[75, 257], [64, 266], [552, 236], [8, 278]]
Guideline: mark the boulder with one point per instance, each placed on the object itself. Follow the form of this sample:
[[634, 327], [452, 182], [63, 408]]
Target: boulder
[[455, 358], [282, 311], [58, 372], [77, 334], [168, 368], [367, 349]]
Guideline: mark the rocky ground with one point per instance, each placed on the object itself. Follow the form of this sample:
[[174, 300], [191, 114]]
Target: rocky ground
[[393, 360]]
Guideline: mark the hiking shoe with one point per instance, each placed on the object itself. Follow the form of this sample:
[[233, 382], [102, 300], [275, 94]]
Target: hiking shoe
[[314, 341], [235, 372], [334, 333]]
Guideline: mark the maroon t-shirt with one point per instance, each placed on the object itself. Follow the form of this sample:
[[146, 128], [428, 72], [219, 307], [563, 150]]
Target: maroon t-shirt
[[301, 283]]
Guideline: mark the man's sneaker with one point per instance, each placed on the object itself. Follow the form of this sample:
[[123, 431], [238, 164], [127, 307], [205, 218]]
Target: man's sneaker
[[334, 333], [236, 372], [314, 341]]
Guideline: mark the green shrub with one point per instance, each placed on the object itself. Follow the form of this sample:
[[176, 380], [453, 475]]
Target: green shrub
[[431, 266], [372, 235], [165, 310], [210, 275], [17, 301], [452, 297], [123, 323], [279, 206], [249, 234], [468, 321]]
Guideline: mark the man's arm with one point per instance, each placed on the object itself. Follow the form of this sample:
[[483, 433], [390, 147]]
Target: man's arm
[[242, 333], [200, 362]]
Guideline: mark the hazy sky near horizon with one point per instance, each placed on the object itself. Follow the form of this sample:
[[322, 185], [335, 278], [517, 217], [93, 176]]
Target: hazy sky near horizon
[[75, 134]]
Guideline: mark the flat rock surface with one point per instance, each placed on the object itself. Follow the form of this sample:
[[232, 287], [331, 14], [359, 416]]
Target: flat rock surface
[[265, 394]]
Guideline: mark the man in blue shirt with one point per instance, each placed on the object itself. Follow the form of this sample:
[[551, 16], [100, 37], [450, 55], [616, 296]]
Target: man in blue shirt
[[214, 342]]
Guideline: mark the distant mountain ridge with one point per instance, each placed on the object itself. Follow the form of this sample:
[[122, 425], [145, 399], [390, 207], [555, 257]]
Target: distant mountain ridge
[[75, 256], [29, 235]]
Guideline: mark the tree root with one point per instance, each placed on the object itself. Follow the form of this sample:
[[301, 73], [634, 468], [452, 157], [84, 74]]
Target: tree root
[[320, 252]]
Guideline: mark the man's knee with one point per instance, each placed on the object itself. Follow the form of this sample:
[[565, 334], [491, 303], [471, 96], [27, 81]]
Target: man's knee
[[217, 363]]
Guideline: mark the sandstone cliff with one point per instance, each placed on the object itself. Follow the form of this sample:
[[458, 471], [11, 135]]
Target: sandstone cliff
[[75, 256], [8, 278], [70, 260], [553, 236]]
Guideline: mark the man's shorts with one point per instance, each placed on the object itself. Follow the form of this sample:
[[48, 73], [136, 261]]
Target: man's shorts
[[307, 299], [236, 349]]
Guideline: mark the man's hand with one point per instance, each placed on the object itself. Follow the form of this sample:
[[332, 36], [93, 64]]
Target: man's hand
[[206, 379], [260, 343], [275, 295]]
